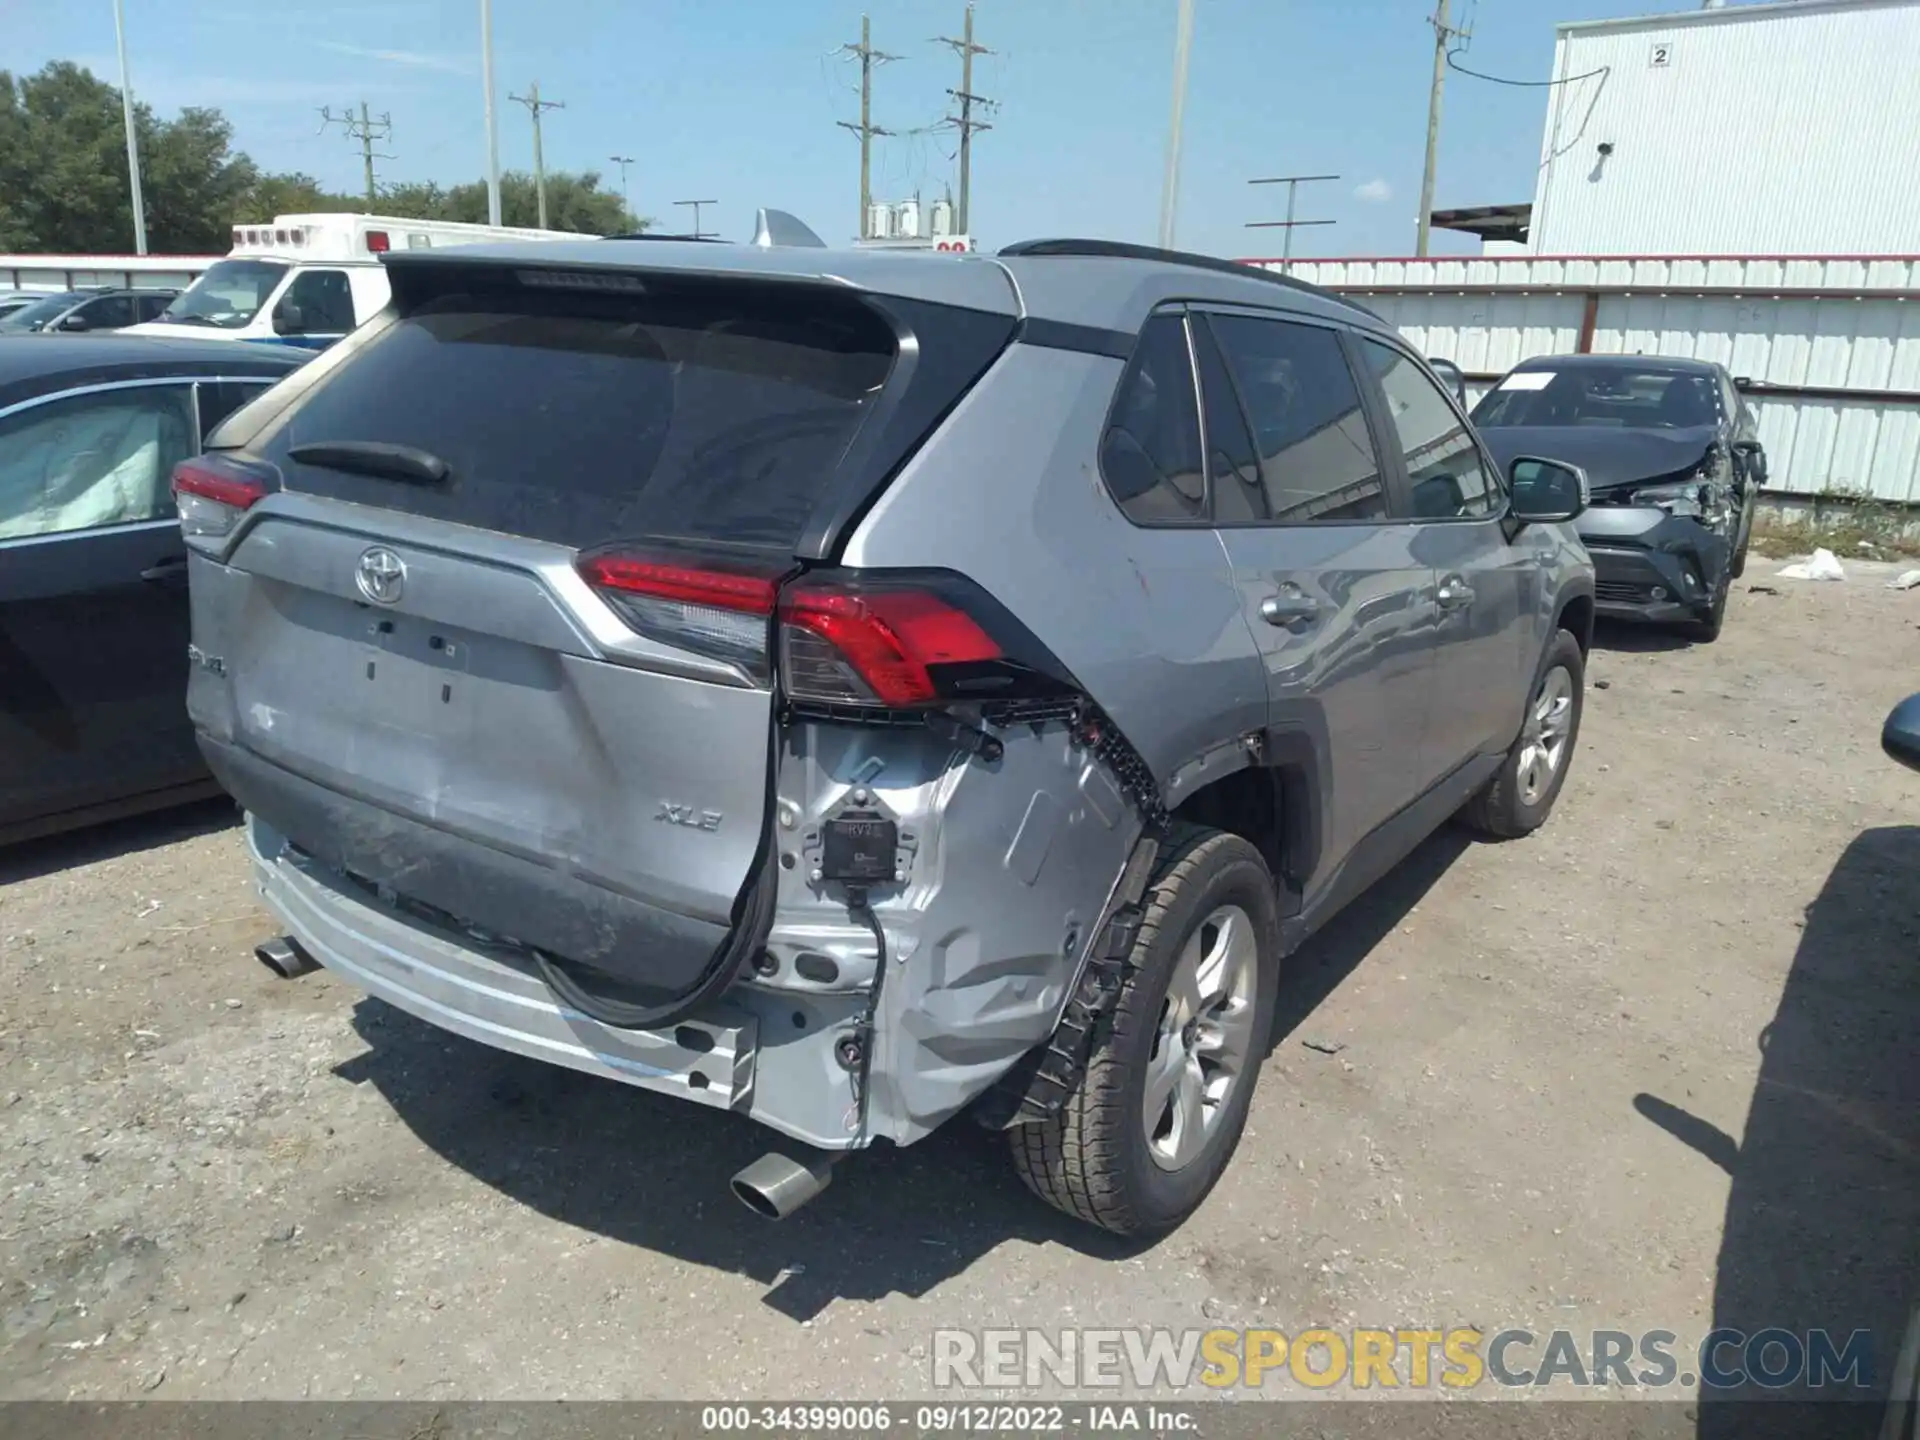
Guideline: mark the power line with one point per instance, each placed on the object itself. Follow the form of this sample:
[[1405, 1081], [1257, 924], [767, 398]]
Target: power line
[[865, 129], [366, 130], [964, 121], [535, 105], [1453, 64]]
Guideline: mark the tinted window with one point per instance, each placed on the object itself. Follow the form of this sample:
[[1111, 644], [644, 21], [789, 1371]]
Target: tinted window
[[318, 302], [1150, 454], [220, 398], [93, 460], [1316, 455], [711, 412], [1232, 465], [1604, 396], [110, 312], [1444, 469], [149, 307]]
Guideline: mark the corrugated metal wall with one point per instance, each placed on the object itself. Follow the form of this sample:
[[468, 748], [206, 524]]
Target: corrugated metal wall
[[1832, 346], [1752, 129]]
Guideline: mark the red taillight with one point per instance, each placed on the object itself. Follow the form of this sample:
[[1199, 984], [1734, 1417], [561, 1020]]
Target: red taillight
[[377, 242], [746, 592], [888, 639], [212, 494], [718, 608]]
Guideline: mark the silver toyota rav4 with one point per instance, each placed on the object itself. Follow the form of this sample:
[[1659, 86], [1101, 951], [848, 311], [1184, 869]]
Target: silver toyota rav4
[[851, 689]]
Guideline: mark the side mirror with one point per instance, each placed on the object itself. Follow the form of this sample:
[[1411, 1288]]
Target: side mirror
[[1743, 383], [287, 319], [1546, 492], [1454, 378], [1900, 737], [75, 321]]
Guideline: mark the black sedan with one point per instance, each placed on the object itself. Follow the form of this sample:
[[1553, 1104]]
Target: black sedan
[[1675, 466], [93, 572]]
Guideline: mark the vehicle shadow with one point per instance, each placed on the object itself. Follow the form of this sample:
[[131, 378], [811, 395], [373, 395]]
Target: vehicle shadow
[[1334, 951], [651, 1171], [1822, 1228], [29, 859], [1629, 637]]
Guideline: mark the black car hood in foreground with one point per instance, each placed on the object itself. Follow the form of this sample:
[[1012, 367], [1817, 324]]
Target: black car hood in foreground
[[1610, 457]]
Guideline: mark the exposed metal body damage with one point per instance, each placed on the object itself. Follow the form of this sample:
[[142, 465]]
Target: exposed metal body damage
[[1013, 861]]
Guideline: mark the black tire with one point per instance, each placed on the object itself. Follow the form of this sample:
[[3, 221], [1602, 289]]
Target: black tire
[[1502, 810], [1706, 629], [1738, 566], [1093, 1159]]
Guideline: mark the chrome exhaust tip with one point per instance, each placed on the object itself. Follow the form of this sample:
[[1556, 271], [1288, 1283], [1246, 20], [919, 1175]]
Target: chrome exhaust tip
[[285, 958], [774, 1186]]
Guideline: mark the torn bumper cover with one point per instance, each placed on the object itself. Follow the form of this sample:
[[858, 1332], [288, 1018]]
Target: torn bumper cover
[[1649, 565]]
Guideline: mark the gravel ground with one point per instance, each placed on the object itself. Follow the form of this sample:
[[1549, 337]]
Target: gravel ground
[[1651, 1068]]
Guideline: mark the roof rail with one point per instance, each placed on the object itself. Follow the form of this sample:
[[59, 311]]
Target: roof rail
[[1122, 250], [661, 235]]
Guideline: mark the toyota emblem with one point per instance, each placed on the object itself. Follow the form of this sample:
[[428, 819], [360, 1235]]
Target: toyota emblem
[[381, 576]]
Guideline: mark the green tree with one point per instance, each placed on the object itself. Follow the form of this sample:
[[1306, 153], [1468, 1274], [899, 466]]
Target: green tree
[[291, 194], [63, 169], [574, 202]]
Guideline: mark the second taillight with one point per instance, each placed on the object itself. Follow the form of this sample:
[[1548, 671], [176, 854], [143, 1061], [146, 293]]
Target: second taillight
[[713, 608], [213, 492]]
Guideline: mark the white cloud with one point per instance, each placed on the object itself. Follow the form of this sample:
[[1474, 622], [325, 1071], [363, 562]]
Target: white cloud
[[411, 59], [1373, 192]]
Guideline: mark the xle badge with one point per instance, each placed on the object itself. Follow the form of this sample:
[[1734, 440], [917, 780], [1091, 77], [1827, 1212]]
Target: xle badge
[[688, 816]]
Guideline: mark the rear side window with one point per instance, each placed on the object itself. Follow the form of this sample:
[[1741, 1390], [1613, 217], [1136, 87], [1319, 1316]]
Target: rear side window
[[1316, 453], [1150, 455], [706, 414]]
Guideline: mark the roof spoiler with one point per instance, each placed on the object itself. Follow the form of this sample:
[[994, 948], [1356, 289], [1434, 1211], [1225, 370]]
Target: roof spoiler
[[777, 227]]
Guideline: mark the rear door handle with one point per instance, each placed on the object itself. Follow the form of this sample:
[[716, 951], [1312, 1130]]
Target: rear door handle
[[1454, 593], [1289, 611], [166, 572]]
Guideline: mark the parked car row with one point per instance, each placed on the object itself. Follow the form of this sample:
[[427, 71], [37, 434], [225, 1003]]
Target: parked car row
[[88, 308]]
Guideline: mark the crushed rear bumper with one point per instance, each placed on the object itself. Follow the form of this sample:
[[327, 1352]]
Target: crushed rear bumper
[[494, 996]]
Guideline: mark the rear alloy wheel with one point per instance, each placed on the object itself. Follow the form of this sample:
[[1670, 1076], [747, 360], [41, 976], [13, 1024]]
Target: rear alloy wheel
[[1520, 796], [1157, 1115]]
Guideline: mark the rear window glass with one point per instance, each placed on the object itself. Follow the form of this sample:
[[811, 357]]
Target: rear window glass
[[717, 414]]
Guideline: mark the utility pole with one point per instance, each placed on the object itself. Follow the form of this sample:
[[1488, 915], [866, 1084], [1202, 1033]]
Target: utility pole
[[1442, 33], [366, 130], [535, 105], [493, 128], [1293, 184], [698, 233], [1170, 186], [964, 121], [623, 161], [866, 129], [133, 143]]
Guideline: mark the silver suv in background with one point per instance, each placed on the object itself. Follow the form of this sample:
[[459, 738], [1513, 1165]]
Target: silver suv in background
[[856, 689]]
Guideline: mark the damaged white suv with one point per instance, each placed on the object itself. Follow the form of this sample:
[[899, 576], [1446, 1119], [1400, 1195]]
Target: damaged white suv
[[855, 689]]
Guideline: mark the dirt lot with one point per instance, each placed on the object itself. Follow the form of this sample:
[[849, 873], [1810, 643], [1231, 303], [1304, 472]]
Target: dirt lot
[[1652, 1068]]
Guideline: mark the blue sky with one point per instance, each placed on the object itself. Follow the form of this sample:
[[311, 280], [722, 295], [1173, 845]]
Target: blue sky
[[736, 100]]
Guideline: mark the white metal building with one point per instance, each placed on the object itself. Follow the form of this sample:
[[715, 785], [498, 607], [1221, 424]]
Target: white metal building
[[1759, 129]]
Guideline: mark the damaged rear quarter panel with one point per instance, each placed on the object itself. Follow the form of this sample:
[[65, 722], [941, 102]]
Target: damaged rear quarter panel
[[1012, 863]]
